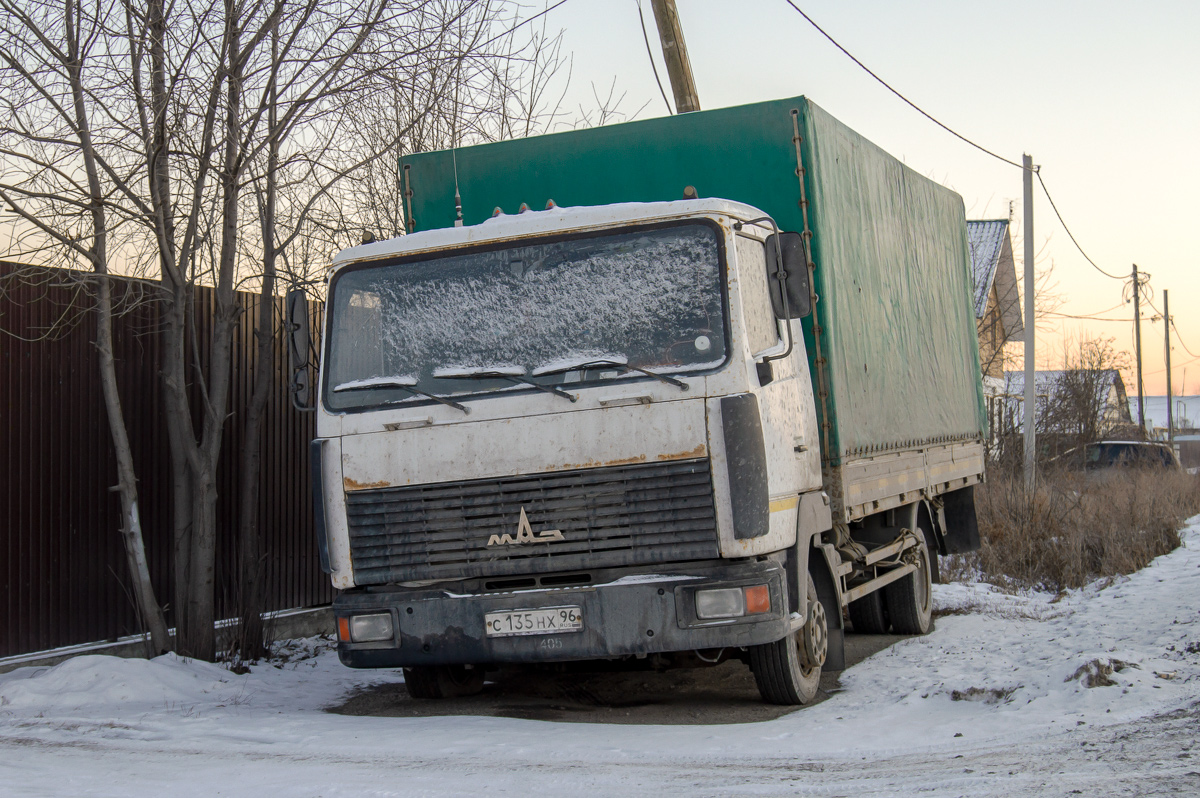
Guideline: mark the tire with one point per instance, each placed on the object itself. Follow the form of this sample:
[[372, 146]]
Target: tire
[[867, 615], [443, 681], [421, 683], [788, 671], [909, 600]]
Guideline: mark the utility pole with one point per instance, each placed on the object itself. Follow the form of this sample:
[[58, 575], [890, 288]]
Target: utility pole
[[1137, 343], [679, 68], [1030, 374], [1167, 343]]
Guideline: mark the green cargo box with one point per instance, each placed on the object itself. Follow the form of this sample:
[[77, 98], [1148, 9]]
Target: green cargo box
[[893, 274]]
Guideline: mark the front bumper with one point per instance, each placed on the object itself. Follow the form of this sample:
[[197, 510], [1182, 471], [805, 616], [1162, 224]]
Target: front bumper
[[631, 614]]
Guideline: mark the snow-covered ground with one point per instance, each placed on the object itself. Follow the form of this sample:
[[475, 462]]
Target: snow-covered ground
[[996, 701]]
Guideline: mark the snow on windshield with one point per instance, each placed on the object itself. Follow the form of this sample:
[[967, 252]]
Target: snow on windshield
[[651, 298]]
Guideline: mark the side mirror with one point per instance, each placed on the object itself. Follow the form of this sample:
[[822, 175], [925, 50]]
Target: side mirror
[[789, 246], [299, 347]]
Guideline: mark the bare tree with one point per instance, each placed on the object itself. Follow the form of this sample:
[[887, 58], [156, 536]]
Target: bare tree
[[322, 158], [176, 128], [1087, 398], [58, 182]]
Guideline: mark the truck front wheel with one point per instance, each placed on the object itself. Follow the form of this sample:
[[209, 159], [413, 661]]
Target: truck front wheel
[[788, 671], [443, 681]]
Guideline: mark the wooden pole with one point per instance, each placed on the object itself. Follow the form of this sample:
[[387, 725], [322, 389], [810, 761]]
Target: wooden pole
[[1030, 408], [1137, 344], [679, 68], [1167, 343]]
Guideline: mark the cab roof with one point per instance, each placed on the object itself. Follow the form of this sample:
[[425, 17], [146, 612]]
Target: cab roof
[[551, 220]]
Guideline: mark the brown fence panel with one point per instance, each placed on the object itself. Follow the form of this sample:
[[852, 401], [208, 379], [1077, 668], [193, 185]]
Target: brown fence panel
[[61, 558]]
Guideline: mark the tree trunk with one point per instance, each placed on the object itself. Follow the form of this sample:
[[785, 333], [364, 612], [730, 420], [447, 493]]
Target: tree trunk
[[146, 603], [180, 435], [251, 588], [200, 610], [148, 608]]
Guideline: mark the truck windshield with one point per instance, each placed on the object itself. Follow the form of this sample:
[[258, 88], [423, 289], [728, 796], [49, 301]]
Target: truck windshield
[[470, 323]]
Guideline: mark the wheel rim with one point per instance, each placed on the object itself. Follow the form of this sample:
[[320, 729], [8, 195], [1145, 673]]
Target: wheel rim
[[921, 582], [815, 637]]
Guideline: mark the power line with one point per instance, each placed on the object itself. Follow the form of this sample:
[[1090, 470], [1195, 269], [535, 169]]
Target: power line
[[1085, 318], [956, 134], [1173, 367], [1061, 221], [541, 13], [649, 52], [910, 103], [1178, 337]]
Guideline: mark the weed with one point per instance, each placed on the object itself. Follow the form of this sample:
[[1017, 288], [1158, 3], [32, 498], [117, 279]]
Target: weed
[[1074, 528]]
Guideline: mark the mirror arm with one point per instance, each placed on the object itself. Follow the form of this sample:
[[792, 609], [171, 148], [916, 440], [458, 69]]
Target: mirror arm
[[781, 278], [294, 390]]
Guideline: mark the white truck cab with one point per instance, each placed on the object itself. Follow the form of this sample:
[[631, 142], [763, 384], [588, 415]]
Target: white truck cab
[[569, 434]]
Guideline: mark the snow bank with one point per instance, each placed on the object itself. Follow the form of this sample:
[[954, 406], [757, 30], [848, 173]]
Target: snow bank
[[999, 670], [97, 685]]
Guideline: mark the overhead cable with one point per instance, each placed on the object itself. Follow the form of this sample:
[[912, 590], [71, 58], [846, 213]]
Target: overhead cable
[[650, 52], [955, 133], [888, 86], [1063, 222], [1085, 318], [1171, 321], [541, 13]]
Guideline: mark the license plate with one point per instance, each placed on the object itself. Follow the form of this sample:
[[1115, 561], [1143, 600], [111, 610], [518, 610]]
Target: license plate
[[547, 621]]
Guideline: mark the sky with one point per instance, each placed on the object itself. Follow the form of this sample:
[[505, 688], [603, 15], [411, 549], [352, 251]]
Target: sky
[[1105, 96]]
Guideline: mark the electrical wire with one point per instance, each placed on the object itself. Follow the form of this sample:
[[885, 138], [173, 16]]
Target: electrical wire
[[887, 86], [1036, 170], [1046, 191], [541, 13], [1085, 318], [1173, 367], [1094, 315], [650, 53], [1171, 321], [1179, 338]]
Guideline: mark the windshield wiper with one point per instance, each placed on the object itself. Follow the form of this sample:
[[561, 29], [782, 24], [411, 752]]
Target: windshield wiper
[[405, 385], [617, 364], [520, 379]]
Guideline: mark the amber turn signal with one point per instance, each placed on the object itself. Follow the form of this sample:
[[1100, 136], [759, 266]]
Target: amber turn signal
[[758, 599]]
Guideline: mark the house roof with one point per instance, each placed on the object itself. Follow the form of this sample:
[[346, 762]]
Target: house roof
[[1045, 382], [992, 264]]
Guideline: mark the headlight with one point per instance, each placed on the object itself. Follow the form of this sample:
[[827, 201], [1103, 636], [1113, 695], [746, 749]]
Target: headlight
[[732, 602], [725, 602], [371, 628]]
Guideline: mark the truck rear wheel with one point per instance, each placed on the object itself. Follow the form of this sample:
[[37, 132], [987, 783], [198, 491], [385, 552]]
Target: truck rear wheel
[[788, 671], [867, 615], [443, 681], [909, 600]]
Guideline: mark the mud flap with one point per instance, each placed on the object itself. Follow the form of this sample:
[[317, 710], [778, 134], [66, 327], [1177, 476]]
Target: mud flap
[[960, 527]]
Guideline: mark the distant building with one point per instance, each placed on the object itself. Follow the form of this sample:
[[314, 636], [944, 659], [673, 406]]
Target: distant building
[[997, 301], [1073, 405]]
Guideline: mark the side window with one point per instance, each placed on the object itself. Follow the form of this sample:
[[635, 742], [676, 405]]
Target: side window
[[762, 330], [359, 331]]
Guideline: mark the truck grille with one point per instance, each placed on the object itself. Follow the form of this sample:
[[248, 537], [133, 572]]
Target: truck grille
[[622, 515]]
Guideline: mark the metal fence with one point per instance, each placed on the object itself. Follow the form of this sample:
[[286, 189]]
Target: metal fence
[[62, 564]]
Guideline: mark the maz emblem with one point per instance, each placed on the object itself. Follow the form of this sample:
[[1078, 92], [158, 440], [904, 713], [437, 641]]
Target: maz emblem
[[524, 534]]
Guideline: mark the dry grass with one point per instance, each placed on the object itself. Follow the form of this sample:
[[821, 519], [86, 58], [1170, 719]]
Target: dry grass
[[1076, 528]]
